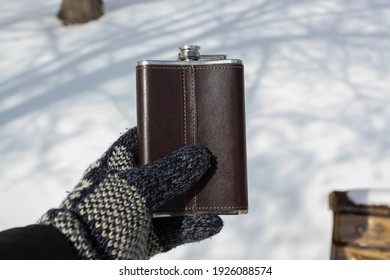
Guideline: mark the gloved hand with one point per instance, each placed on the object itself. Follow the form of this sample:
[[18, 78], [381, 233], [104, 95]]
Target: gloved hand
[[108, 215]]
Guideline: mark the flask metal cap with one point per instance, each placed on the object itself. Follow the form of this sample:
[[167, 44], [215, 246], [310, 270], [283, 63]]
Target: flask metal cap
[[189, 52]]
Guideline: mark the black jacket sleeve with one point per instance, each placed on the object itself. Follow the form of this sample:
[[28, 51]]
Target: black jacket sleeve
[[34, 242]]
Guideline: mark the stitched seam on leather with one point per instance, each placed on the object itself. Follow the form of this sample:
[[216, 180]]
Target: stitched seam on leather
[[205, 208], [194, 117], [194, 124], [219, 67], [184, 105], [224, 207]]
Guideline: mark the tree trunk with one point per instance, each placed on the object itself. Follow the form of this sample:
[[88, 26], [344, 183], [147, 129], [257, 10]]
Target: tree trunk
[[80, 11]]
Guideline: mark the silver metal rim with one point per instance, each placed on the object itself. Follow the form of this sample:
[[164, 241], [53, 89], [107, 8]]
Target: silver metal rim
[[196, 62]]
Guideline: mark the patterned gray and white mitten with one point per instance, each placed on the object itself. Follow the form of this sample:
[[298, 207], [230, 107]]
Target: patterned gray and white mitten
[[108, 215]]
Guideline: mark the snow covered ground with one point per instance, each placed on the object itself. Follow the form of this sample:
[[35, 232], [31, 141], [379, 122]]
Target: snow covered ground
[[317, 100]]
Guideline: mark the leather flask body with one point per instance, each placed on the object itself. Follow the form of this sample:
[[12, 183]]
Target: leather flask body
[[196, 102]]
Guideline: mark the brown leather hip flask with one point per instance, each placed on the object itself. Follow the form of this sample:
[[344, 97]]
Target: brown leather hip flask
[[197, 99]]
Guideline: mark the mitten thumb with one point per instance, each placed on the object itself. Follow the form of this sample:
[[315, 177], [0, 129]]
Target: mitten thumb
[[175, 231]]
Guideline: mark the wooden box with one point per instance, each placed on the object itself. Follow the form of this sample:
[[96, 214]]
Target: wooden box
[[360, 230]]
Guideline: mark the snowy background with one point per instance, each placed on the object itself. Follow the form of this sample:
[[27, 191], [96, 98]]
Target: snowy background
[[317, 100]]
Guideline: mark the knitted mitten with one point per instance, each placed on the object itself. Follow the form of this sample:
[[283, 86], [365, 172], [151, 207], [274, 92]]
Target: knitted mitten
[[108, 215]]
